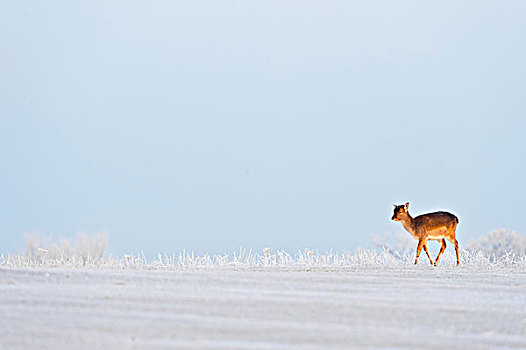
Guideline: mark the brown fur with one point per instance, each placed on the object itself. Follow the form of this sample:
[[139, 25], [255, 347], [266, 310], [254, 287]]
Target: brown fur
[[438, 226]]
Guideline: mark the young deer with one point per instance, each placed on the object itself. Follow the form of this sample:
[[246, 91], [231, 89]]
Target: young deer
[[437, 226]]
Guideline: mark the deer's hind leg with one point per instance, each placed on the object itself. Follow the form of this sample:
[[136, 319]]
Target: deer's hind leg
[[442, 248], [455, 242], [456, 251]]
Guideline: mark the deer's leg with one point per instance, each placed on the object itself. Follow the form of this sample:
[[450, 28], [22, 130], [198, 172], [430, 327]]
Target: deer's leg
[[418, 250], [456, 250], [427, 252], [441, 250], [455, 242]]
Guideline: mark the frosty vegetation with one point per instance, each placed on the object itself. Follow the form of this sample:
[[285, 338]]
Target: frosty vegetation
[[499, 243], [86, 250], [499, 248], [495, 245]]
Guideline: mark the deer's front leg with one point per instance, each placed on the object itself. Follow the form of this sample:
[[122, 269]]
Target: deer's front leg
[[419, 249], [427, 252]]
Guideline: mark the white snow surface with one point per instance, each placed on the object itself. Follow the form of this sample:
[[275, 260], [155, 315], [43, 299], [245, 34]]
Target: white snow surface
[[382, 305]]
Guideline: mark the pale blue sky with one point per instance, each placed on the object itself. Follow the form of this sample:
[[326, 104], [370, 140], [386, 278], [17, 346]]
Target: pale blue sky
[[210, 125]]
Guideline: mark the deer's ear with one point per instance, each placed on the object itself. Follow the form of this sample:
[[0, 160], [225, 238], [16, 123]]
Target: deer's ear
[[407, 206]]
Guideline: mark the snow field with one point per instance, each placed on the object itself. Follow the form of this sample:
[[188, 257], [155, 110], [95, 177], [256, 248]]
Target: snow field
[[381, 305]]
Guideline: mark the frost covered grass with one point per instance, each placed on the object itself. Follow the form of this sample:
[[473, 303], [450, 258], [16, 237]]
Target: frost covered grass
[[497, 249], [244, 259]]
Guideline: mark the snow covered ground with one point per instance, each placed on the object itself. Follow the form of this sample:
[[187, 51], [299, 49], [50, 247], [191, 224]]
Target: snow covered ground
[[244, 306]]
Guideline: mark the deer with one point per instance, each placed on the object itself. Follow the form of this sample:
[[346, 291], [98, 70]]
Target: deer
[[437, 226]]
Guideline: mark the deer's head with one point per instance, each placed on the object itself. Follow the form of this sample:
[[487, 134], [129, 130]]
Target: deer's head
[[400, 212]]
